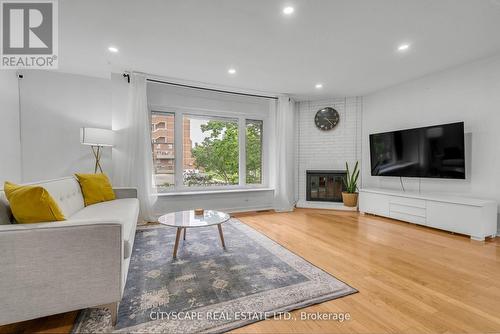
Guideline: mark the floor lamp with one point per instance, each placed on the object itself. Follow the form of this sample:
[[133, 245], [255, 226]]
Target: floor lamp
[[96, 139]]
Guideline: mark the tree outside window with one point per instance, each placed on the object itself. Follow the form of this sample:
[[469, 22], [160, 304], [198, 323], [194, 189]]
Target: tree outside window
[[215, 150]]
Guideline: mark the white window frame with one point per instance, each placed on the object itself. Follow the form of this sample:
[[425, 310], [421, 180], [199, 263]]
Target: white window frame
[[262, 173], [180, 112]]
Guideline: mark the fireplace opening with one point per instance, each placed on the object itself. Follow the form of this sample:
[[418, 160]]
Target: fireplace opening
[[324, 185]]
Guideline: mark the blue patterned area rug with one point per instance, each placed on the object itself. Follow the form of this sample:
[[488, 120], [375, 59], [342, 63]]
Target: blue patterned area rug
[[208, 289]]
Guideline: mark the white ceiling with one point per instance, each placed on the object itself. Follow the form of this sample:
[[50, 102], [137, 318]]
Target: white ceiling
[[348, 45]]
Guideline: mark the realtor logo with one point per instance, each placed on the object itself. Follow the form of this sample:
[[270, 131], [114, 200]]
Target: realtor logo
[[29, 34]]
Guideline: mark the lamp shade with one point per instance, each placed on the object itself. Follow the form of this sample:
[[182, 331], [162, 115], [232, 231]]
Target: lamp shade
[[96, 137]]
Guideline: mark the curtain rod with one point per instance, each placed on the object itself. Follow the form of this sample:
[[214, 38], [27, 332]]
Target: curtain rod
[[211, 89]]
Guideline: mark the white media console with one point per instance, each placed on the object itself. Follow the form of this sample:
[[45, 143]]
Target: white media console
[[470, 216]]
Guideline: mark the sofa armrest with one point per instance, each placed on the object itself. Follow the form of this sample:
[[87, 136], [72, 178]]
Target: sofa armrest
[[125, 192], [50, 268]]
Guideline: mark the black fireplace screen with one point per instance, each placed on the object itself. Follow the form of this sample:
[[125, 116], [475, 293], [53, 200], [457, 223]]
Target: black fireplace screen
[[324, 185]]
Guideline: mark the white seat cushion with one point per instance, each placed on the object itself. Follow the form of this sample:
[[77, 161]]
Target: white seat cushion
[[123, 210]]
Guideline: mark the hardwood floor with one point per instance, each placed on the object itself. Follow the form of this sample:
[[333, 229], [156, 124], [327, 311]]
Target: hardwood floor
[[411, 279]]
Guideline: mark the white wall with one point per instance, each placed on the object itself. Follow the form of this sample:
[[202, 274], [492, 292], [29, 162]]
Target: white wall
[[54, 106], [327, 149], [229, 202], [10, 152], [119, 105], [469, 93], [212, 102]]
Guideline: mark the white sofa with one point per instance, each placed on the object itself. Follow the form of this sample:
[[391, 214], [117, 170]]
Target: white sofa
[[55, 267]]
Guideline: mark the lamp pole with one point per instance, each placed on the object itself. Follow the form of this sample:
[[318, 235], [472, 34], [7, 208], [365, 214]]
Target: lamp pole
[[97, 155], [97, 139]]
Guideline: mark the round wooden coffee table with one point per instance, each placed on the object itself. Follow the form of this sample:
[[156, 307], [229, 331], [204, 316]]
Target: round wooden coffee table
[[187, 219]]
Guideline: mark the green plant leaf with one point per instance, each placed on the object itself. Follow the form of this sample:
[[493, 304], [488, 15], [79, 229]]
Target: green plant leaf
[[355, 182], [351, 179]]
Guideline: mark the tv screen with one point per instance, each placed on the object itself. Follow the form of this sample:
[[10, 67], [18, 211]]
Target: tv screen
[[433, 151]]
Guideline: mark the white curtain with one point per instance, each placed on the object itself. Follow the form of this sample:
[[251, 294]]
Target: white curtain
[[284, 195], [135, 167]]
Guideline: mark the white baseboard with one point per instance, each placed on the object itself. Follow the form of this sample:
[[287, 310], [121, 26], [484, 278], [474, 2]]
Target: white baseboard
[[237, 210], [324, 205]]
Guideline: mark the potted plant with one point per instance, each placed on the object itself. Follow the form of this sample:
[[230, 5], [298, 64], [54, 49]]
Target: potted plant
[[350, 195]]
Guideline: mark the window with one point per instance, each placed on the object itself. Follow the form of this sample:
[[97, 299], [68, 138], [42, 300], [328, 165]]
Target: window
[[254, 151], [211, 151], [195, 151], [162, 141]]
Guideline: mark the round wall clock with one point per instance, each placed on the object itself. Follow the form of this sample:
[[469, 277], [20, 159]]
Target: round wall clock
[[326, 118]]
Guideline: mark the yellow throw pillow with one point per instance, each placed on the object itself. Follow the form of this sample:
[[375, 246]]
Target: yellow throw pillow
[[96, 188], [32, 204]]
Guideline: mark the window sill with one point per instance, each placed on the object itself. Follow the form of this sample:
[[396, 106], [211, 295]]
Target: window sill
[[209, 192]]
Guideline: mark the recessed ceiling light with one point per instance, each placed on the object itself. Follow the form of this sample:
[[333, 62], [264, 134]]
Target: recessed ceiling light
[[318, 86], [113, 49], [231, 71], [403, 47], [288, 10]]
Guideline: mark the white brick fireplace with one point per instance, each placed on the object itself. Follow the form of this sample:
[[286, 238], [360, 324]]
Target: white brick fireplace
[[327, 150]]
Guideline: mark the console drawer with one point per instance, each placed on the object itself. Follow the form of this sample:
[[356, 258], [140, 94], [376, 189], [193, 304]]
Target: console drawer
[[415, 202], [408, 218], [377, 204], [409, 210]]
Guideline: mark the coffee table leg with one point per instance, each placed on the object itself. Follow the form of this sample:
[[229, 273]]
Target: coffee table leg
[[221, 236], [177, 237], [185, 229]]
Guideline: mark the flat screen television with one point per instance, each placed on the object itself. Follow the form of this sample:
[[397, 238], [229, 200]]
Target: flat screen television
[[435, 152]]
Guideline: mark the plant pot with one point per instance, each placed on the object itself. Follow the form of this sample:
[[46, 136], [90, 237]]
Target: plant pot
[[350, 199]]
